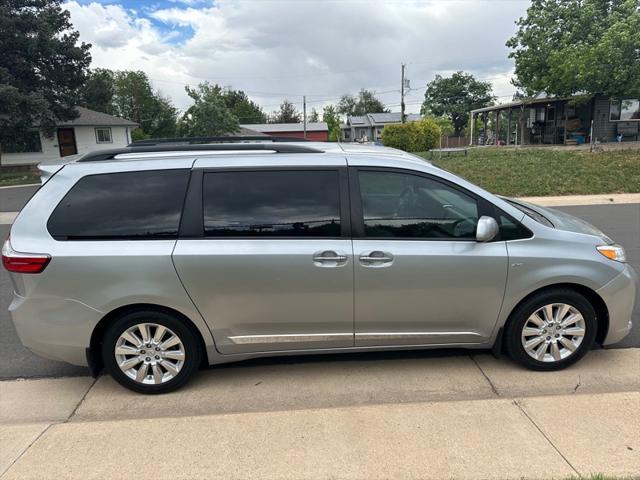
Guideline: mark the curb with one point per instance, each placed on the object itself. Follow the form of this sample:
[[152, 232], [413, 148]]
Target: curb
[[7, 218], [576, 200], [20, 186]]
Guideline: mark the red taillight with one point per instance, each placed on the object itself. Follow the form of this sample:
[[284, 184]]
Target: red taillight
[[19, 262]]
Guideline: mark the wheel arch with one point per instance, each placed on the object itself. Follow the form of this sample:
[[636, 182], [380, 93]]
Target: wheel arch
[[599, 305], [94, 358]]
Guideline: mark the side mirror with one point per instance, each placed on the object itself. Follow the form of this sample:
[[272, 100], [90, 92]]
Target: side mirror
[[487, 229]]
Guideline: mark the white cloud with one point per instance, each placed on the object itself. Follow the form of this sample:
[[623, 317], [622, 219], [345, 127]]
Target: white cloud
[[278, 48]]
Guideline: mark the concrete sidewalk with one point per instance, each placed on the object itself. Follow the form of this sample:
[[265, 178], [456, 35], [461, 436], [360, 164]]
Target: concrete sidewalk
[[544, 437], [455, 417], [573, 200]]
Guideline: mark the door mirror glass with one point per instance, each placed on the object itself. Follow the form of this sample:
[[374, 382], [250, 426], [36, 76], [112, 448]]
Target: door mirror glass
[[487, 229]]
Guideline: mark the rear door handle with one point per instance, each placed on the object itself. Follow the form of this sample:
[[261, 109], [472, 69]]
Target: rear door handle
[[329, 258], [377, 257]]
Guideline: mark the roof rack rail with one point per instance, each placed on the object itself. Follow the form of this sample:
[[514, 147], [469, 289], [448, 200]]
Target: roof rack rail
[[110, 154], [218, 139]]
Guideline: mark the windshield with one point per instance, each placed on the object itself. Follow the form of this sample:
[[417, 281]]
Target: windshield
[[537, 216]]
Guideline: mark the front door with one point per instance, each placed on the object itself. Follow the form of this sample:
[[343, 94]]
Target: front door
[[420, 276], [273, 267], [67, 142]]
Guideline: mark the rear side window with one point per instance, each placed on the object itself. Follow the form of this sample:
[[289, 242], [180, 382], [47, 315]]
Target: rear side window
[[128, 205], [304, 203]]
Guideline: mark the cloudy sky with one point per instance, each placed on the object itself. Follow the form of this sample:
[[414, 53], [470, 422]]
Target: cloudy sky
[[275, 49]]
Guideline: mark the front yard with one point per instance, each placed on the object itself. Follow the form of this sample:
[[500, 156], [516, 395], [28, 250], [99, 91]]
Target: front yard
[[545, 171], [18, 178]]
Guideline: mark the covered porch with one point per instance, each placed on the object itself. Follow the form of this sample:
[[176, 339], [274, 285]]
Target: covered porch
[[538, 121]]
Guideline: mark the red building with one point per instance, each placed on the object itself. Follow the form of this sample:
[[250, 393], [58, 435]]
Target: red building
[[316, 131]]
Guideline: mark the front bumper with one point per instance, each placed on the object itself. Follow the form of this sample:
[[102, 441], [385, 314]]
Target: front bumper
[[620, 296], [55, 328]]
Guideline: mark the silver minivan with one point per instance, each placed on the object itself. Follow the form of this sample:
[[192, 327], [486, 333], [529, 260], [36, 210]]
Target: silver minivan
[[156, 259]]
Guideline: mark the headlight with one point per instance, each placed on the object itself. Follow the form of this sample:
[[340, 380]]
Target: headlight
[[613, 252]]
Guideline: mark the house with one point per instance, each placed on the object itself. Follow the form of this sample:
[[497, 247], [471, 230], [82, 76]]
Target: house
[[316, 131], [369, 127], [552, 120], [247, 132], [88, 132]]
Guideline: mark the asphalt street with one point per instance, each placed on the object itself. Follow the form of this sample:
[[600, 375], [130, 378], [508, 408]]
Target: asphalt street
[[620, 222], [12, 199]]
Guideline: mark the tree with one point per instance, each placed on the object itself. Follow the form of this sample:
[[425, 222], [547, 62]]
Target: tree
[[42, 67], [245, 110], [366, 102], [287, 114], [565, 47], [135, 99], [347, 105], [454, 97], [314, 116], [446, 127], [209, 114], [331, 117], [98, 91]]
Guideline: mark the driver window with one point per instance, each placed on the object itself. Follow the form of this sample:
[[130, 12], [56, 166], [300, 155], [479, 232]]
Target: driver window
[[411, 206]]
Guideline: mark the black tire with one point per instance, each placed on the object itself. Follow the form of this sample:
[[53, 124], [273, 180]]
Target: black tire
[[189, 339], [513, 330]]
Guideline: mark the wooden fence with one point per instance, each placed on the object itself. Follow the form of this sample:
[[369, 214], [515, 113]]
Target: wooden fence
[[453, 142]]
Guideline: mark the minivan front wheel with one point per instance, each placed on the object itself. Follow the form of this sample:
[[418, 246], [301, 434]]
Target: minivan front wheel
[[551, 330], [150, 352]]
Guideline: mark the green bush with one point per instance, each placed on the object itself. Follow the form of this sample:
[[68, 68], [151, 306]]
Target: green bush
[[399, 136], [429, 133], [412, 136], [139, 134]]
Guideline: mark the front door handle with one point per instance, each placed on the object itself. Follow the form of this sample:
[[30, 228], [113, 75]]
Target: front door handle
[[329, 258], [376, 258]]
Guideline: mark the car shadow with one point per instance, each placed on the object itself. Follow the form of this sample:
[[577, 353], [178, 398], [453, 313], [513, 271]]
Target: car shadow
[[372, 356]]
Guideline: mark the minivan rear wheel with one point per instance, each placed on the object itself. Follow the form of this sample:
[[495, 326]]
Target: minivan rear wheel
[[150, 351], [551, 330]]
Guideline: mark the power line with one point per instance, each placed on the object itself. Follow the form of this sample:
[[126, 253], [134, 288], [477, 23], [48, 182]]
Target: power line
[[325, 96]]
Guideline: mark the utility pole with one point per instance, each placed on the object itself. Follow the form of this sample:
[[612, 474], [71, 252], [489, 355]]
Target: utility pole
[[304, 114], [402, 119]]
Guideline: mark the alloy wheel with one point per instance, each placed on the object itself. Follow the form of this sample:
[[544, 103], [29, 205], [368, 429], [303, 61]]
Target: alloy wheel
[[553, 332], [149, 353]]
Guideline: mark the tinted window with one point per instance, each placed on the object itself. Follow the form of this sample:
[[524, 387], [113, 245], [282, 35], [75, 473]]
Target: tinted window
[[409, 206], [512, 230], [272, 204], [136, 205]]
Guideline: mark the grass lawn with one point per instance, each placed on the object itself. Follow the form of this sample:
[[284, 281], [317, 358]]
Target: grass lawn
[[18, 178], [545, 171]]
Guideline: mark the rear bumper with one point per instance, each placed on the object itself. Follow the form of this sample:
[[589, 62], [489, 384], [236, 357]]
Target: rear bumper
[[620, 296], [54, 328]]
